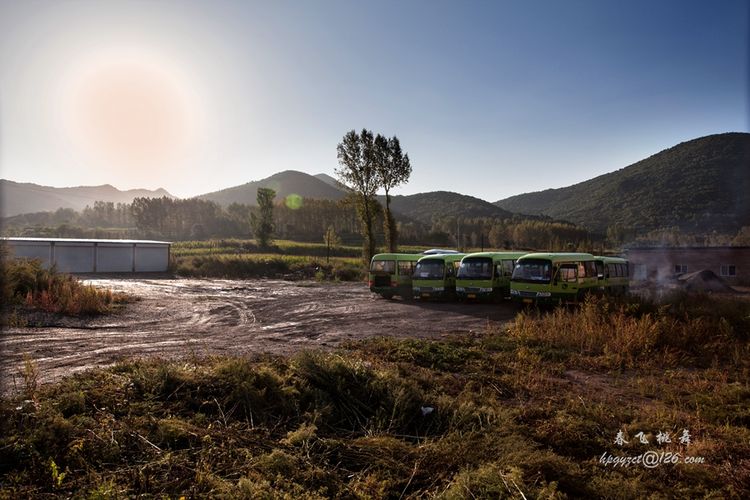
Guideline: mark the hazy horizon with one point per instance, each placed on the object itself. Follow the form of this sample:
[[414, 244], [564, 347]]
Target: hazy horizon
[[166, 188], [490, 99]]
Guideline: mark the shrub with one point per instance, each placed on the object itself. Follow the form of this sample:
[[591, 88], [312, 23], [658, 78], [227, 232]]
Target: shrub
[[27, 283]]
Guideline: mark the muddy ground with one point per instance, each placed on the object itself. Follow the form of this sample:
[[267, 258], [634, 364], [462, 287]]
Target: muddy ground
[[186, 317]]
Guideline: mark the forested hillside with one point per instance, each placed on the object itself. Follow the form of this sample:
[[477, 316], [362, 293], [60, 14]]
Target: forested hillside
[[426, 207], [699, 186], [289, 182], [23, 197]]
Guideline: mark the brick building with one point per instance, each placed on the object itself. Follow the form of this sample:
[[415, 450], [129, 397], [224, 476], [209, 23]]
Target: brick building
[[730, 263]]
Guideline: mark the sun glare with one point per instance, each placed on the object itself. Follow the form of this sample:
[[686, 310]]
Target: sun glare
[[128, 114]]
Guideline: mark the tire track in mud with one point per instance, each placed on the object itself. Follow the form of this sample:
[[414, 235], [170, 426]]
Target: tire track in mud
[[178, 318]]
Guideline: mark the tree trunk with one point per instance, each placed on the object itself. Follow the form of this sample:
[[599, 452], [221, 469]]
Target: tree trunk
[[389, 226], [369, 243]]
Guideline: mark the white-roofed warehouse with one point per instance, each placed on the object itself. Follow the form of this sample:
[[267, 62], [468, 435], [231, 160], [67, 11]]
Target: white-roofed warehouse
[[93, 256]]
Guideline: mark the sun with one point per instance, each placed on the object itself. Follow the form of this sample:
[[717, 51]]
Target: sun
[[128, 114]]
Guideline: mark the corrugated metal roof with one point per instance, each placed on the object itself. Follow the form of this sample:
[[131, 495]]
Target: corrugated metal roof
[[82, 240]]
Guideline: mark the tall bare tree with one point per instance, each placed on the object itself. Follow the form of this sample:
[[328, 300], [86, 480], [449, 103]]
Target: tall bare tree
[[357, 170], [392, 168]]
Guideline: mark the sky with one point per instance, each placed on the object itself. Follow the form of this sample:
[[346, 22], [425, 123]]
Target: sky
[[489, 99]]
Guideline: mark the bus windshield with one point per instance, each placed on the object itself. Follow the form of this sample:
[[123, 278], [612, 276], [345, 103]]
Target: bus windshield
[[475, 268], [383, 266], [533, 271], [430, 270]]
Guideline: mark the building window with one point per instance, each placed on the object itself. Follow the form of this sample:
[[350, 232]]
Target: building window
[[680, 268], [729, 271]]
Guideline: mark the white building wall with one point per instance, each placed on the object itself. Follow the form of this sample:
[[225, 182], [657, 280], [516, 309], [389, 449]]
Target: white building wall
[[151, 258], [32, 250], [74, 258], [89, 256], [114, 258]]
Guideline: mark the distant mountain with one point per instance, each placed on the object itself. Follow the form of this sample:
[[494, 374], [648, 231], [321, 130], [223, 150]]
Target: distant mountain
[[328, 180], [284, 183], [424, 207], [19, 198], [701, 185]]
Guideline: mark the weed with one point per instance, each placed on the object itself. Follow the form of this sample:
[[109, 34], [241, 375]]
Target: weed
[[519, 411]]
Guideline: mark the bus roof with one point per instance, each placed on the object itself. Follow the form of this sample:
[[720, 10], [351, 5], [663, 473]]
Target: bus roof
[[611, 260], [397, 256], [448, 257], [437, 251], [496, 255], [559, 257]]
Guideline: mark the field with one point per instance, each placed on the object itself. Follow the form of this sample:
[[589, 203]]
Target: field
[[233, 258], [526, 408], [183, 317], [220, 388]]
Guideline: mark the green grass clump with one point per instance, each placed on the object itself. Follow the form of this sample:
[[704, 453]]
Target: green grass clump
[[247, 266]]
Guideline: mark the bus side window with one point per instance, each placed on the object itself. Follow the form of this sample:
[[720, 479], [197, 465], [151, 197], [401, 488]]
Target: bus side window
[[507, 267], [568, 273], [405, 268]]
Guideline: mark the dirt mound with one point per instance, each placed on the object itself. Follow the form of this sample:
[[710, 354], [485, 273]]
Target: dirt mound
[[704, 281]]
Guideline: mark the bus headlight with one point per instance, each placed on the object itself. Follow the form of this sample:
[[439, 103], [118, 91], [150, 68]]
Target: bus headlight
[[460, 289], [514, 292], [543, 294]]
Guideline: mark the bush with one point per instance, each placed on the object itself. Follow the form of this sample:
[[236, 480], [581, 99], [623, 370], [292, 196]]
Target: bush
[[27, 283]]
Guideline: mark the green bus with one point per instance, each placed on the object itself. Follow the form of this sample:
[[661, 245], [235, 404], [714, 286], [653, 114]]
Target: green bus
[[486, 275], [390, 274], [616, 273], [435, 276], [555, 278]]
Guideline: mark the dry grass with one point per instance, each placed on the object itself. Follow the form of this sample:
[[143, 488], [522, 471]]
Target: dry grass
[[527, 411], [27, 285], [681, 330]]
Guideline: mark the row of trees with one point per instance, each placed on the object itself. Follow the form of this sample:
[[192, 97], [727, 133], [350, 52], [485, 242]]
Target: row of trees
[[164, 218], [368, 163]]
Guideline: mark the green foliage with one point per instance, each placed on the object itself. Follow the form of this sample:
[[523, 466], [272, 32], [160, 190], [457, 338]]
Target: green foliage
[[262, 223], [392, 168], [267, 266], [357, 170]]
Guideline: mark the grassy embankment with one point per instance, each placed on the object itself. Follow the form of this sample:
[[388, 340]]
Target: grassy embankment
[[27, 287], [232, 258], [527, 410]]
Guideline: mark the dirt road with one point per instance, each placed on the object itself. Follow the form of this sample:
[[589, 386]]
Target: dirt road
[[179, 317]]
